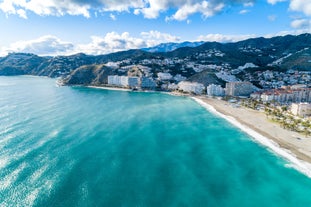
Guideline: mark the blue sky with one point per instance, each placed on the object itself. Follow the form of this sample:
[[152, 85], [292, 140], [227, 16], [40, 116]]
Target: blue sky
[[64, 27]]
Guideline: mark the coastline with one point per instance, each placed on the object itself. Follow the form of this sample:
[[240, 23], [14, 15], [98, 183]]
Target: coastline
[[287, 144], [109, 88]]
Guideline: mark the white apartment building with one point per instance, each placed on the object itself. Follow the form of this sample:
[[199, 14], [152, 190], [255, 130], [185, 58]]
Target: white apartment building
[[283, 95], [215, 90], [123, 81], [114, 80], [301, 109], [239, 88], [191, 87]]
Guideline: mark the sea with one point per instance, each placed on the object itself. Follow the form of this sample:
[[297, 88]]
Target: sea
[[79, 146]]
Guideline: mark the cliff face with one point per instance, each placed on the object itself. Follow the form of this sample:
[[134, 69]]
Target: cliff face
[[89, 75]]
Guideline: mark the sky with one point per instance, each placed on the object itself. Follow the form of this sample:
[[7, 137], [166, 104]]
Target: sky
[[65, 27]]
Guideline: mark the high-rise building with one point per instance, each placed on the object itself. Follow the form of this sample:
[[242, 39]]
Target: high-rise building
[[239, 88], [147, 83], [215, 90]]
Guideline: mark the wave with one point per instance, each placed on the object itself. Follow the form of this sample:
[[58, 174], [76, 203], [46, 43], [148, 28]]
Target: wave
[[7, 181], [300, 165]]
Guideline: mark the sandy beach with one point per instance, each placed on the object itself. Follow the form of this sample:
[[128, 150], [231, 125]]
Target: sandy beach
[[292, 146]]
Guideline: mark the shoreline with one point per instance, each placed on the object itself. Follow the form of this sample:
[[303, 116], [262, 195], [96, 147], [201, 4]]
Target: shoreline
[[109, 88], [283, 143]]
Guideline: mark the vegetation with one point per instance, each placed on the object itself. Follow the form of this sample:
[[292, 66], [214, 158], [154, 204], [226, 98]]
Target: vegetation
[[281, 115]]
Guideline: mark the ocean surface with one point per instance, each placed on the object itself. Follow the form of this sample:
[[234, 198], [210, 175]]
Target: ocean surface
[[77, 146]]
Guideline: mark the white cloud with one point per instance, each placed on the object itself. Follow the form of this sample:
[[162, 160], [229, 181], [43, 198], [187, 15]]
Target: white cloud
[[275, 1], [249, 4], [301, 6], [244, 11], [114, 42], [46, 7], [184, 8], [223, 38], [22, 13], [301, 23], [113, 17], [45, 45], [205, 8], [148, 8], [111, 42], [159, 37]]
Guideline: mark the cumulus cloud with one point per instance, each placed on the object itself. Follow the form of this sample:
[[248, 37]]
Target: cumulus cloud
[[114, 42], [301, 6], [205, 8], [148, 8], [45, 45], [301, 23], [224, 38], [111, 42], [45, 8], [275, 1], [159, 37], [185, 8]]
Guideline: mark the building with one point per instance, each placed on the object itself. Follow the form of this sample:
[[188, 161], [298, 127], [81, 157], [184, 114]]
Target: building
[[147, 83], [215, 90], [285, 95], [133, 82], [239, 88], [123, 81], [191, 87], [301, 109], [164, 76], [114, 80]]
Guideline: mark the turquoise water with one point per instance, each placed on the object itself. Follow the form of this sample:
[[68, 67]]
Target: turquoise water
[[75, 146]]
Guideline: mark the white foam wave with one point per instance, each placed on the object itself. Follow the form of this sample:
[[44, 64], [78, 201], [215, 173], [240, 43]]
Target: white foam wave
[[31, 197], [3, 162], [7, 181], [300, 165], [38, 173]]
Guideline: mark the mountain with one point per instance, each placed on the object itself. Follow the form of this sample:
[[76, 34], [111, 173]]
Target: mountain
[[260, 51], [30, 64], [167, 47], [20, 64], [88, 75], [277, 53]]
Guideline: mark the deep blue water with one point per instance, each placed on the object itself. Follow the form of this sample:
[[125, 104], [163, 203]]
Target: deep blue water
[[76, 146]]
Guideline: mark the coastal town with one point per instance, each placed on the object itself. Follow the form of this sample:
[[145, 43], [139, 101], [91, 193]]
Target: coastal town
[[290, 88]]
